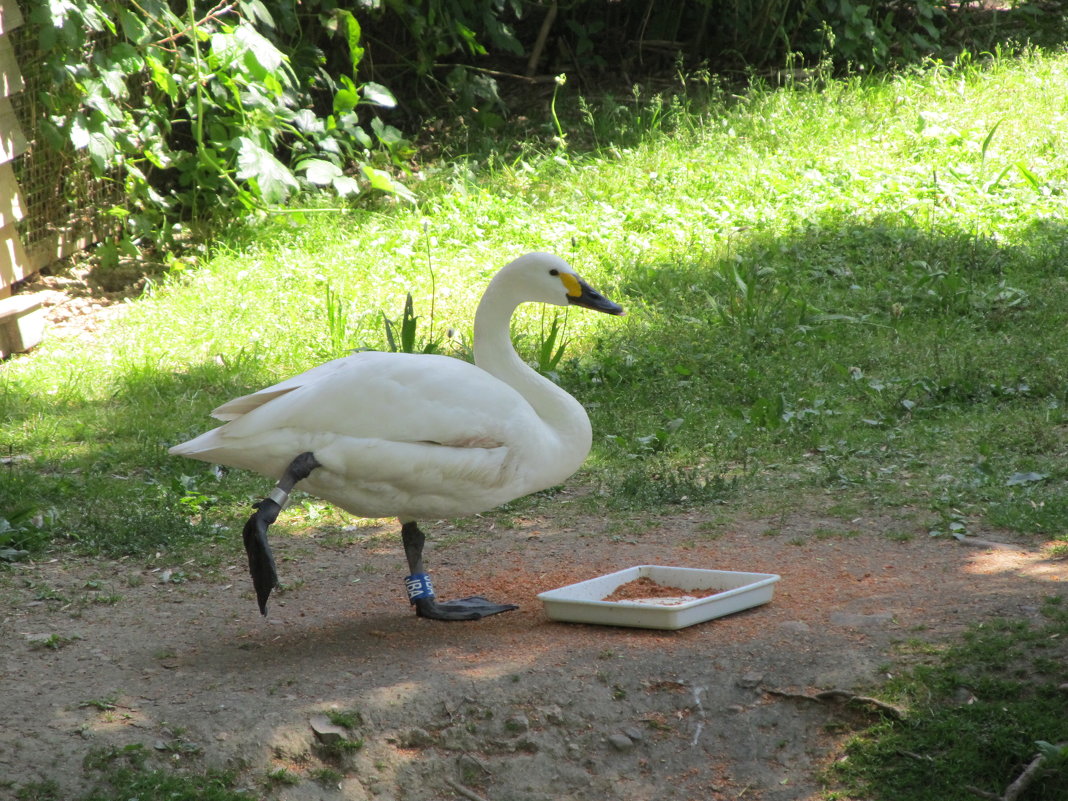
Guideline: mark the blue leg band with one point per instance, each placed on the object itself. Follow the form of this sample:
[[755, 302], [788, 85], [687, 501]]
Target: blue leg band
[[419, 587]]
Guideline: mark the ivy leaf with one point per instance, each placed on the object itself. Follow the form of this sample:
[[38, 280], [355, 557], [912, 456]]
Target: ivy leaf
[[259, 11], [344, 100], [307, 122], [127, 58], [384, 182], [378, 95], [162, 77], [1016, 479], [269, 57], [345, 186], [101, 150], [320, 171], [133, 27], [271, 178], [79, 132]]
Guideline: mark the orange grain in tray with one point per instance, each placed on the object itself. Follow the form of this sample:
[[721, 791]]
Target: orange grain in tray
[[645, 587]]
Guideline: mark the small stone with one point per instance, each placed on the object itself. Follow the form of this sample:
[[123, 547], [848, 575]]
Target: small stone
[[326, 732], [964, 696], [1063, 687], [553, 714], [795, 626], [750, 680], [634, 733], [620, 742]]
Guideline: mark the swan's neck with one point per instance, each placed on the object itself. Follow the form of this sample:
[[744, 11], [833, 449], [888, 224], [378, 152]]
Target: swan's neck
[[495, 354]]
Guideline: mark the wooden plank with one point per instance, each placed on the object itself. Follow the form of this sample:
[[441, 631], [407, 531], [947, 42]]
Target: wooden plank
[[57, 246], [13, 263], [10, 76], [10, 16], [12, 142], [12, 206], [22, 321]]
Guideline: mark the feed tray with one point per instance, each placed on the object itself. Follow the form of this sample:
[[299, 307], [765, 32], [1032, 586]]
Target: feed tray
[[709, 594]]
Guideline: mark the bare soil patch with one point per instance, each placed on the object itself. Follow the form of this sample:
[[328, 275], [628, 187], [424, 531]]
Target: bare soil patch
[[99, 655]]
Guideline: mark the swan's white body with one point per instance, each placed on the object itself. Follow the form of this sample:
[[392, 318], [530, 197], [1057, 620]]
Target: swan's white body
[[419, 436]]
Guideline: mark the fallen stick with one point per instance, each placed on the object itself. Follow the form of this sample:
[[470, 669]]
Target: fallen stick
[[466, 792], [1022, 782], [896, 712], [975, 542]]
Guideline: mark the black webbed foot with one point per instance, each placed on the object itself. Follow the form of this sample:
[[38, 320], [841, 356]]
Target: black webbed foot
[[260, 559], [472, 608], [421, 592]]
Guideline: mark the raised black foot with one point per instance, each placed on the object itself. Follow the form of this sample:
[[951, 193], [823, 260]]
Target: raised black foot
[[473, 608], [260, 559]]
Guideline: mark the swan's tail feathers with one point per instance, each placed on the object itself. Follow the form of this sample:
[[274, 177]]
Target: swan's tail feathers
[[201, 447]]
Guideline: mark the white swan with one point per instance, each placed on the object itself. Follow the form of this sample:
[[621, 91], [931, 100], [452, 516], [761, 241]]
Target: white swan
[[414, 436]]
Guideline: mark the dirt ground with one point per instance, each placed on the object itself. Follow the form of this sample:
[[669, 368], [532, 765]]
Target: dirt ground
[[175, 658], [511, 708]]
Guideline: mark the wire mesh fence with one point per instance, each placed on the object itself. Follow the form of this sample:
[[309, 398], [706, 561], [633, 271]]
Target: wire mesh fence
[[63, 200]]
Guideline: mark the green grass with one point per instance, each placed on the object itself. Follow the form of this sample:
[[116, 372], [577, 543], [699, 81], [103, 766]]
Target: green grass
[[977, 715], [859, 279]]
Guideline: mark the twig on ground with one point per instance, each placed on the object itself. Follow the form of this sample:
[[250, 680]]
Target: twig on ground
[[896, 712], [975, 542], [466, 792], [1022, 782]]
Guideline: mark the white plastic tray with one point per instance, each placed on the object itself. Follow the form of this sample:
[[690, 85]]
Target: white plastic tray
[[720, 592]]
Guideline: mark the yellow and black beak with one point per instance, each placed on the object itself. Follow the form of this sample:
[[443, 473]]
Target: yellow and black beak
[[579, 293]]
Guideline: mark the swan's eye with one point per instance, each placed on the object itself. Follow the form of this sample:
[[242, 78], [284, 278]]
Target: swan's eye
[[554, 271]]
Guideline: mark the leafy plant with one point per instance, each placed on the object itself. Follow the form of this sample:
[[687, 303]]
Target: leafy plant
[[878, 33], [198, 111], [20, 533], [1010, 672]]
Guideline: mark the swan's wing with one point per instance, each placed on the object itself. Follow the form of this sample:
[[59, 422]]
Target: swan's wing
[[392, 397], [233, 409]]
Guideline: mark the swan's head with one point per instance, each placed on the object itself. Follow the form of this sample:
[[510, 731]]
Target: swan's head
[[544, 278]]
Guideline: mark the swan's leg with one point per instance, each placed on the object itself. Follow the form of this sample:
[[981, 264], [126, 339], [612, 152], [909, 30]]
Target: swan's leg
[[422, 594], [260, 559]]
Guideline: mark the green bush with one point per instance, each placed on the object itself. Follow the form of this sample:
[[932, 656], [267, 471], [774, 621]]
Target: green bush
[[218, 108]]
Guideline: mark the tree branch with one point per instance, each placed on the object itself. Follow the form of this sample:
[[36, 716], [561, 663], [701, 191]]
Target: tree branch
[[220, 10], [896, 712], [1022, 782]]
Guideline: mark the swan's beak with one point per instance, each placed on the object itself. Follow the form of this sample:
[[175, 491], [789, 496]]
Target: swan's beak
[[590, 298]]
